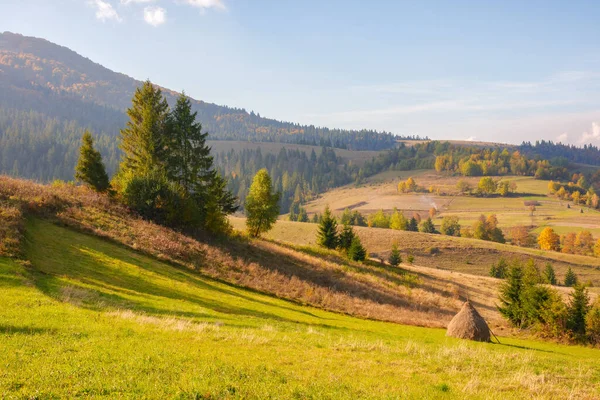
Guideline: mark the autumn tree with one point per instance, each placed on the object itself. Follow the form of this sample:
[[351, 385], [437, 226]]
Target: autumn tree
[[487, 186], [90, 169], [549, 240], [262, 205], [450, 226], [398, 221]]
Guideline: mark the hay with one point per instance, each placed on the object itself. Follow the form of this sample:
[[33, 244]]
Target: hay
[[468, 324]]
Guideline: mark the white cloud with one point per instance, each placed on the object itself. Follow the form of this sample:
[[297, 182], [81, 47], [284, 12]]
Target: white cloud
[[588, 137], [206, 4], [563, 137], [127, 2], [471, 138], [155, 16], [105, 11]]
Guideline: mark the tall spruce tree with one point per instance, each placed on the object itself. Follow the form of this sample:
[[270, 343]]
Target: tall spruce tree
[[577, 309], [262, 205], [327, 233], [189, 162], [511, 296], [145, 139], [90, 168]]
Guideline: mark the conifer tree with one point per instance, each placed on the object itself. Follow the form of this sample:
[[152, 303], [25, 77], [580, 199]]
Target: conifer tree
[[511, 306], [262, 206], [327, 233], [346, 237], [145, 139], [413, 225], [427, 226], [550, 275], [357, 252], [395, 259], [302, 215], [577, 309], [570, 278], [90, 168]]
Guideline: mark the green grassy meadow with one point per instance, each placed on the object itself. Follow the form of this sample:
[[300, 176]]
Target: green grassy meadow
[[88, 318]]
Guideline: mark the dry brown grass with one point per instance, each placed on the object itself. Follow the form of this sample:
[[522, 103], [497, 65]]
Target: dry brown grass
[[333, 284], [11, 229]]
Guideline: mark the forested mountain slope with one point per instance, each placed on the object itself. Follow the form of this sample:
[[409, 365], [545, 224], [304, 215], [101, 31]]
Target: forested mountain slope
[[50, 94]]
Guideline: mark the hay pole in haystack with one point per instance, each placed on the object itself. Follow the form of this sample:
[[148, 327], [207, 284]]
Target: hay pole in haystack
[[469, 324]]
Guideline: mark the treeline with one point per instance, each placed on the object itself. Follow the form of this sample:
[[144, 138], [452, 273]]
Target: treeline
[[562, 153], [35, 146], [298, 177], [461, 160]]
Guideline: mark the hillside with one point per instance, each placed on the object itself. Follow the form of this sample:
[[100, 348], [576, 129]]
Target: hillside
[[50, 94], [111, 321]]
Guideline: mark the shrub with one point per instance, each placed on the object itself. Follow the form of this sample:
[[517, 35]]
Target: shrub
[[154, 198], [395, 259]]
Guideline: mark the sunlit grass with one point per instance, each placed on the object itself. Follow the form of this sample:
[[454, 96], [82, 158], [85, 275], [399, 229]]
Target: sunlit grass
[[89, 318]]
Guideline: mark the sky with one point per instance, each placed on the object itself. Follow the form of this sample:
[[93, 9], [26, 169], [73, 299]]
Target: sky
[[502, 71]]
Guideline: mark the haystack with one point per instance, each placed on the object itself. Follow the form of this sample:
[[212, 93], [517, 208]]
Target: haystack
[[468, 324]]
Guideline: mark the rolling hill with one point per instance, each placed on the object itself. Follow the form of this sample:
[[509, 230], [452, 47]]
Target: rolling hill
[[102, 305]]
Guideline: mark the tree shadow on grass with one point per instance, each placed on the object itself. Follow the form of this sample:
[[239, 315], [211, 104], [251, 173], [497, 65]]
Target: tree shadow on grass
[[23, 330]]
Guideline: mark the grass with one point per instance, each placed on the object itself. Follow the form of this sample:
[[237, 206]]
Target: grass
[[380, 192], [457, 254], [89, 318]]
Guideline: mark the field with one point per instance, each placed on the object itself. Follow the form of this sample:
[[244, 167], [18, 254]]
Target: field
[[88, 318], [470, 256], [380, 192], [357, 157]]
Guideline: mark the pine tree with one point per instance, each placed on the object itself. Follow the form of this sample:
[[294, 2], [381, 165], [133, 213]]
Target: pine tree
[[302, 215], [395, 259], [550, 275], [427, 226], [357, 252], [346, 237], [327, 233], [577, 309], [262, 206], [145, 139], [413, 225], [570, 278], [189, 162], [90, 168], [510, 296]]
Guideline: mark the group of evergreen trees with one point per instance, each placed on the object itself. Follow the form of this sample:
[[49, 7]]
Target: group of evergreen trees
[[330, 237], [166, 172], [526, 301]]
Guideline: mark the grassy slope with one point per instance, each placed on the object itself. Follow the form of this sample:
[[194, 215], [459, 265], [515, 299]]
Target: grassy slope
[[90, 318], [464, 255]]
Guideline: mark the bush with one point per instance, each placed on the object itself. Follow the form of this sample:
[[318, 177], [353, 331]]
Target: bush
[[154, 198]]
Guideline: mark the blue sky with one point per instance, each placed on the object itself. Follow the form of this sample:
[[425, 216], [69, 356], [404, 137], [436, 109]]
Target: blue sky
[[486, 70]]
